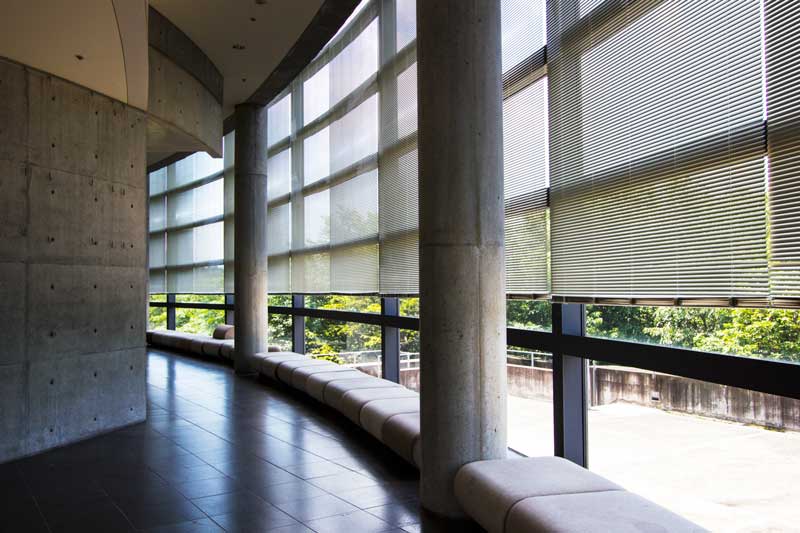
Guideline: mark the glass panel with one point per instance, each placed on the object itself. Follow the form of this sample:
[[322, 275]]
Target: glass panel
[[280, 326], [406, 22], [200, 298], [344, 302], [316, 94], [523, 30], [355, 135], [409, 358], [723, 457], [279, 120], [279, 174], [529, 314], [530, 401], [198, 321], [158, 181], [353, 65], [345, 343], [279, 235], [764, 333], [409, 307], [316, 156], [317, 218], [157, 318]]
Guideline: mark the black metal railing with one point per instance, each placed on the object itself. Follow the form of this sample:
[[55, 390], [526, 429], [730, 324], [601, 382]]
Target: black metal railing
[[571, 350]]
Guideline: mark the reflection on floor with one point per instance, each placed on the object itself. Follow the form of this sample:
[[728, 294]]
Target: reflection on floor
[[216, 453], [724, 476]]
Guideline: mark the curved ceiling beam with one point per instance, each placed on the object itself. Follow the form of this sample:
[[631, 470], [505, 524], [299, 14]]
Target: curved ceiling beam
[[330, 17]]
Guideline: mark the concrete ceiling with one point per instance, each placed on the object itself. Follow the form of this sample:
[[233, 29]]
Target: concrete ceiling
[[216, 26], [100, 44]]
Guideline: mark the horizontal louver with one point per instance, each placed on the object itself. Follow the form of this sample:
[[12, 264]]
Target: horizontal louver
[[783, 100], [656, 150]]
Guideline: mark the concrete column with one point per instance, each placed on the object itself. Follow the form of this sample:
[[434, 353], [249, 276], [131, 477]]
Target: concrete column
[[462, 266], [250, 236]]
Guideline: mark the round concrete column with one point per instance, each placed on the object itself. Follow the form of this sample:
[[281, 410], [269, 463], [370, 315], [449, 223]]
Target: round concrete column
[[462, 265], [250, 235]]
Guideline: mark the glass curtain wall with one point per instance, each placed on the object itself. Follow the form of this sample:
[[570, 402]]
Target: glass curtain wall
[[650, 167]]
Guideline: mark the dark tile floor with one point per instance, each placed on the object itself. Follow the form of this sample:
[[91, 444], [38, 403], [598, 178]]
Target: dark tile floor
[[218, 452]]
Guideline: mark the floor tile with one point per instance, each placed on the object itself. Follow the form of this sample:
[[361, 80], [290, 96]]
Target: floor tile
[[266, 518], [397, 514], [217, 452], [149, 516], [313, 508], [357, 521], [207, 487]]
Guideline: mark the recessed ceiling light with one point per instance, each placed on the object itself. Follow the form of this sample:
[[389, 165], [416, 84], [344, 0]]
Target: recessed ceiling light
[[244, 80], [239, 46], [79, 57], [252, 19]]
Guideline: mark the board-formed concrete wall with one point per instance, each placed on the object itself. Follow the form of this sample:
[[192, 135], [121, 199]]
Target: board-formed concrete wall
[[73, 262]]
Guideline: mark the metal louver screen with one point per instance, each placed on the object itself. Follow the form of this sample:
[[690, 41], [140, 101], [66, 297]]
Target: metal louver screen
[[782, 18], [656, 150], [187, 226]]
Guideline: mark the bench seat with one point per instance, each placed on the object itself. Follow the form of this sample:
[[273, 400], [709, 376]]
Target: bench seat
[[551, 494], [221, 344], [317, 383], [285, 371]]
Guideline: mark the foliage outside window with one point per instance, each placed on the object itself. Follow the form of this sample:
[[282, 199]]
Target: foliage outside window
[[764, 333], [529, 314], [200, 298], [280, 325], [409, 307], [198, 321], [345, 342]]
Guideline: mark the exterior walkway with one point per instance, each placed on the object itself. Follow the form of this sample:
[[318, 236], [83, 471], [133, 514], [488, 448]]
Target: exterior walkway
[[721, 475], [216, 453]]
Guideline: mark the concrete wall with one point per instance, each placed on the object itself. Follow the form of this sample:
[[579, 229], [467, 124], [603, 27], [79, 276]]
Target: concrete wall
[[73, 262], [611, 384], [185, 116], [673, 393]]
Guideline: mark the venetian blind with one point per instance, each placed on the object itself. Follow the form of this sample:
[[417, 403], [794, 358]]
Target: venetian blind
[[186, 245], [525, 147], [782, 18], [656, 150], [398, 184]]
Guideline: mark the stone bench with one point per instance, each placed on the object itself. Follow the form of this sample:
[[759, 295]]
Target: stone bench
[[219, 344], [550, 494], [386, 410]]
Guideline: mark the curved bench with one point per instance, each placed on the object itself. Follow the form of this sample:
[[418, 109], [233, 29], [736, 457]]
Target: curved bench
[[219, 344], [552, 494], [547, 494], [386, 410]]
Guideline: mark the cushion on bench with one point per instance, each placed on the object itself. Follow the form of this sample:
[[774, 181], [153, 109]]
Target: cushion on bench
[[301, 375], [286, 369], [375, 414], [226, 351], [184, 342], [488, 490], [353, 401], [196, 345], [212, 347], [317, 382], [401, 433], [332, 395], [272, 360], [224, 331], [619, 511]]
